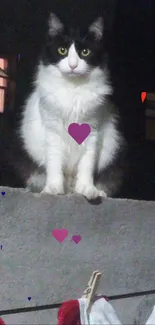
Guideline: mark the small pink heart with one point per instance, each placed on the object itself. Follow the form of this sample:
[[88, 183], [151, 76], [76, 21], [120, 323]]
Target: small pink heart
[[76, 239], [60, 234], [79, 132]]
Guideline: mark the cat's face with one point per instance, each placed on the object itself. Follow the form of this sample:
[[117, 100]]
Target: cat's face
[[74, 53]]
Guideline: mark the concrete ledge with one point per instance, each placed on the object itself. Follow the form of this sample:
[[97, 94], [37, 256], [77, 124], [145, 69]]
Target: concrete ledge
[[118, 238]]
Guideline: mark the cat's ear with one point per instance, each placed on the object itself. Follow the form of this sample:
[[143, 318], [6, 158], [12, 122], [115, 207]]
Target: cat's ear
[[55, 25], [97, 28]]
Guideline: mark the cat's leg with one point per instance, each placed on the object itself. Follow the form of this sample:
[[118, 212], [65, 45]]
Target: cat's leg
[[54, 164], [85, 174]]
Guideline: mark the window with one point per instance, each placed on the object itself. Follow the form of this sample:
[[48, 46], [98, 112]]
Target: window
[[3, 84], [8, 63]]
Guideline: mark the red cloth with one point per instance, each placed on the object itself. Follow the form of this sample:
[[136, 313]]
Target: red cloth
[[1, 322], [69, 313]]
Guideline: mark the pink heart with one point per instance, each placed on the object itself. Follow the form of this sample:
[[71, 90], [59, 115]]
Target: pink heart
[[76, 239], [60, 234], [79, 132]]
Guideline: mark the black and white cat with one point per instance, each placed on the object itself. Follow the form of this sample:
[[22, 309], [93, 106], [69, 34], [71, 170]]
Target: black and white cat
[[72, 86]]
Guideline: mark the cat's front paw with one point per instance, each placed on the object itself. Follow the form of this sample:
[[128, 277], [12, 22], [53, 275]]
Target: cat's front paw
[[53, 189], [89, 191]]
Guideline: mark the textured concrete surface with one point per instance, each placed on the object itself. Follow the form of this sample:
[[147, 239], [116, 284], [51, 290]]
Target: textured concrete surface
[[117, 238]]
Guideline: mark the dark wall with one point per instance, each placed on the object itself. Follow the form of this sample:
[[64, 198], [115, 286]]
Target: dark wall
[[132, 63], [21, 24], [133, 42]]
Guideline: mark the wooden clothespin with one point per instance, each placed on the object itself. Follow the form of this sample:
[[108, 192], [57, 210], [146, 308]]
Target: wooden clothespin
[[90, 291]]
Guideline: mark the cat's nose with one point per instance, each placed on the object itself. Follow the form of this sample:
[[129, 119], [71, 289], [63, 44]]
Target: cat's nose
[[73, 65]]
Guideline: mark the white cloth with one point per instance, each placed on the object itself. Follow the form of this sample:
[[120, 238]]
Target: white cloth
[[101, 313], [151, 320]]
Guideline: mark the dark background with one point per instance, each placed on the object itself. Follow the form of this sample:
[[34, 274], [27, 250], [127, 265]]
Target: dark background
[[132, 65]]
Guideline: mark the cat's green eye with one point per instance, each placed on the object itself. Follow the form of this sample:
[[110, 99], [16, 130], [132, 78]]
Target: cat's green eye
[[85, 52], [62, 50]]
